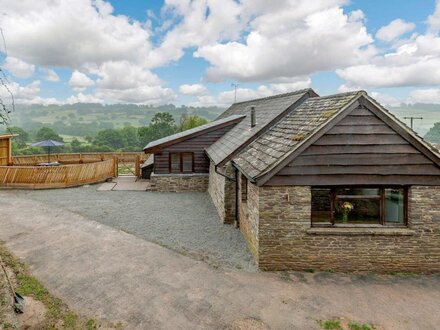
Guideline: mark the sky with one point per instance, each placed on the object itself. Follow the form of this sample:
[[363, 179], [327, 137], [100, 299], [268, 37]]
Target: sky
[[196, 52]]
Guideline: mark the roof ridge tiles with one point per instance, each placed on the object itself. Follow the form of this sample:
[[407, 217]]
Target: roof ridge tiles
[[301, 91]]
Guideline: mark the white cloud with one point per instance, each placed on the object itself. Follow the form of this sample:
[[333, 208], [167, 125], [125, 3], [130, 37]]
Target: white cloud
[[83, 98], [434, 19], [51, 75], [19, 68], [72, 33], [226, 98], [124, 82], [395, 29], [79, 81], [27, 94], [429, 95], [386, 99], [194, 90], [291, 39], [201, 22], [415, 62]]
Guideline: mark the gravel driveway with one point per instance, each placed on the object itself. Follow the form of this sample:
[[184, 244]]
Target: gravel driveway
[[105, 273], [184, 222]]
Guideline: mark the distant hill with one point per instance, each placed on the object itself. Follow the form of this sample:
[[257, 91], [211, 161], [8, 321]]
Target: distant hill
[[429, 112], [83, 119]]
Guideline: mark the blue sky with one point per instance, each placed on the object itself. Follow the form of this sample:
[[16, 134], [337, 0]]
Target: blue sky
[[190, 52]]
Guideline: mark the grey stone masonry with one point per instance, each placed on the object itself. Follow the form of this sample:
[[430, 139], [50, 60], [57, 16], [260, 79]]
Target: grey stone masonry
[[179, 183], [286, 240], [222, 192]]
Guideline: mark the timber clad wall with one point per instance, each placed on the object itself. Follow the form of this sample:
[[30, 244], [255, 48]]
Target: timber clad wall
[[361, 149], [286, 240], [196, 144]]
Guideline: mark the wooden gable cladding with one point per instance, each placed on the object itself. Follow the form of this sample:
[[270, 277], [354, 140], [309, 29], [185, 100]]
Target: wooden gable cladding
[[360, 149], [195, 145]]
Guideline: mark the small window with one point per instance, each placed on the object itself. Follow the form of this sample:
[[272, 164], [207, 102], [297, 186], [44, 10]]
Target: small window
[[187, 162], [394, 206], [175, 163], [181, 162], [359, 206]]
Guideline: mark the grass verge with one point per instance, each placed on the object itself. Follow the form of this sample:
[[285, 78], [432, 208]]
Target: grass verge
[[58, 315]]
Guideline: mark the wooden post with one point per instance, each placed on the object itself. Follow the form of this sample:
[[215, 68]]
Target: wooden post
[[115, 165], [10, 151], [137, 166]]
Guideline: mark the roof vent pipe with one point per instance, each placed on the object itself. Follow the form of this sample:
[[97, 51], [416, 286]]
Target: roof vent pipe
[[253, 117]]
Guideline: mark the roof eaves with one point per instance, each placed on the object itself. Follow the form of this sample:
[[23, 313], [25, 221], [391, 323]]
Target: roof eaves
[[263, 177], [192, 133]]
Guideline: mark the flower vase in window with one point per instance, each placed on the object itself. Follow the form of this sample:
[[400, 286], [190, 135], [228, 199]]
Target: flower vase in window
[[347, 207]]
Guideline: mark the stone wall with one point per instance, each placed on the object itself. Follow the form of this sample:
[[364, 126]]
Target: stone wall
[[179, 182], [287, 241], [249, 217], [222, 192]]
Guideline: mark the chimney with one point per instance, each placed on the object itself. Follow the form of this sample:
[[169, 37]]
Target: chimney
[[253, 117]]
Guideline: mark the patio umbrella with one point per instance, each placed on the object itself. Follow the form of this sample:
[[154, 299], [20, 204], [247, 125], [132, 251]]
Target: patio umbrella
[[48, 144]]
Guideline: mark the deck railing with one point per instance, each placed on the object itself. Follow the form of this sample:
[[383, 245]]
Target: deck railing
[[79, 158], [44, 177]]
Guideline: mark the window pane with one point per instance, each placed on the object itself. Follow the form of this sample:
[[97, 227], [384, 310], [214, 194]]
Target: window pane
[[175, 163], [357, 211], [187, 159], [358, 191], [321, 205], [394, 206]]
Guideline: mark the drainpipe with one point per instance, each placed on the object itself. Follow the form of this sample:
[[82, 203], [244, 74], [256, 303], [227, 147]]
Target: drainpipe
[[237, 221], [237, 200], [224, 175]]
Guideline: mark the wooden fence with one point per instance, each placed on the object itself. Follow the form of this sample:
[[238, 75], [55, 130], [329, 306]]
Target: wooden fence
[[44, 177], [80, 158]]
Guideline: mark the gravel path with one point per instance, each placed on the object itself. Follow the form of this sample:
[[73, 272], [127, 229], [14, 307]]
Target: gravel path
[[112, 276], [184, 222]]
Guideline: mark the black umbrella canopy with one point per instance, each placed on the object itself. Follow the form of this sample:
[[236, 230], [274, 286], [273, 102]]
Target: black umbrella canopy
[[48, 143]]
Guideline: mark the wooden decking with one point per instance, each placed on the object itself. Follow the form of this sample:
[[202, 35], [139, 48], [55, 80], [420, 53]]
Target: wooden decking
[[75, 169]]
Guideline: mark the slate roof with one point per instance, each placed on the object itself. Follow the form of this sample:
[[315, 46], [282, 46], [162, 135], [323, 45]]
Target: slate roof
[[192, 132], [281, 139], [267, 110]]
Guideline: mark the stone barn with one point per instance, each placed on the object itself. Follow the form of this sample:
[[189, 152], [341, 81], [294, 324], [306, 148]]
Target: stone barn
[[333, 182]]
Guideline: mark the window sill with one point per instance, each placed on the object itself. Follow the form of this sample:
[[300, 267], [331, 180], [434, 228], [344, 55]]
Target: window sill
[[369, 231], [178, 174]]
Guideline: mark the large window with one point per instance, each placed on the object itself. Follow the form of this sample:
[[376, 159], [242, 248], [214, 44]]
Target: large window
[[181, 162], [359, 206]]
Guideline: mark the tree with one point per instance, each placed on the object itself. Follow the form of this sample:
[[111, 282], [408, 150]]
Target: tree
[[191, 121], [161, 125], [130, 134], [20, 140], [75, 145], [433, 134], [110, 137], [46, 133]]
